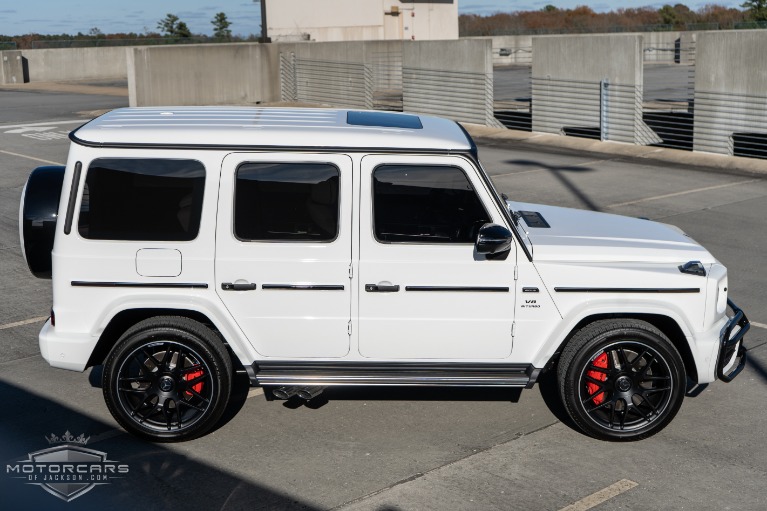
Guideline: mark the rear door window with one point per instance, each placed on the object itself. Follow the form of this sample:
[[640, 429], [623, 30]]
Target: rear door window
[[286, 202]]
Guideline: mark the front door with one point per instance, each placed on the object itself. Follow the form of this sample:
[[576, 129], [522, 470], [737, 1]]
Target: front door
[[424, 291], [283, 251]]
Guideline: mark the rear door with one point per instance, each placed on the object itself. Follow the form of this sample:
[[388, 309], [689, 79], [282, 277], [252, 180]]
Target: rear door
[[283, 251]]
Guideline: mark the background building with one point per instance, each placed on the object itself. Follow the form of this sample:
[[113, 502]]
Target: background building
[[360, 20]]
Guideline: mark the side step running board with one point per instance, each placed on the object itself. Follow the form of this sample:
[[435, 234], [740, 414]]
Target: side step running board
[[393, 374]]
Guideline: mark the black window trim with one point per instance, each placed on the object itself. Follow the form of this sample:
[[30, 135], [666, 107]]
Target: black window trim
[[274, 162], [84, 179], [427, 244]]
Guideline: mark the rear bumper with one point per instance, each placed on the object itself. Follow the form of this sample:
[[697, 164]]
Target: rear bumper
[[732, 353], [65, 351]]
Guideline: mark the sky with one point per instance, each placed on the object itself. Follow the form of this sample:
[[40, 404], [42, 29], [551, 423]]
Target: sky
[[140, 16]]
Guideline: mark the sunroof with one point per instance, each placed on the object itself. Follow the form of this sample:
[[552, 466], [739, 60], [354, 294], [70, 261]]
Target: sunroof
[[384, 120]]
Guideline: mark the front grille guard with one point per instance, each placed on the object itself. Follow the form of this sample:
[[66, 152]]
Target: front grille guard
[[731, 345]]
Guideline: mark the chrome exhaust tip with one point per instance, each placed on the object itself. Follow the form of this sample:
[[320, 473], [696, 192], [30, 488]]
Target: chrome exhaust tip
[[307, 393], [285, 392]]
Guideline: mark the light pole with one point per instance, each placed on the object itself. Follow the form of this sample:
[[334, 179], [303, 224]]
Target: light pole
[[263, 20]]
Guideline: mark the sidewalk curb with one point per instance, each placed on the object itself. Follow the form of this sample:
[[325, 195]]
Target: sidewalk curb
[[713, 162], [69, 87]]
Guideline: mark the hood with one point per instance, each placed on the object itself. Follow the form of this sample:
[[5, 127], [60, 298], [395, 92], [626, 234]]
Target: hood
[[565, 234]]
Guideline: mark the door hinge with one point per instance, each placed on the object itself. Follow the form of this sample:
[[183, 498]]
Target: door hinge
[[516, 272], [351, 271], [349, 328], [513, 328]]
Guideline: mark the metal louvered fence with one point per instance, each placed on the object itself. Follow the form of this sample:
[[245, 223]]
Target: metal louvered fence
[[730, 124], [463, 97], [384, 83], [664, 110], [602, 111], [333, 83]]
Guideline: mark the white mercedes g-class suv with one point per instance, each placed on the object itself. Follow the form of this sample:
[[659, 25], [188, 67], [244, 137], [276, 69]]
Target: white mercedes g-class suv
[[331, 247]]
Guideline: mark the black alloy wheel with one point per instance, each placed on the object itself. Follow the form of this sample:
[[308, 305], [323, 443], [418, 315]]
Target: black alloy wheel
[[167, 379], [621, 379]]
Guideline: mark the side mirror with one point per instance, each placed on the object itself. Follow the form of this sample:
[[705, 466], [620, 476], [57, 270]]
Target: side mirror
[[493, 239]]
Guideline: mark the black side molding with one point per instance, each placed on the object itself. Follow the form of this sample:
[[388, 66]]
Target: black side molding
[[466, 289], [304, 287], [158, 285], [626, 290]]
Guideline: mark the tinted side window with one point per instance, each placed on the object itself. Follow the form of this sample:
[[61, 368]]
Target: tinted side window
[[425, 204], [149, 199], [286, 202]]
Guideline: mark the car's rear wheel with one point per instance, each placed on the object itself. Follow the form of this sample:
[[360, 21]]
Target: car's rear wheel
[[621, 379], [167, 379]]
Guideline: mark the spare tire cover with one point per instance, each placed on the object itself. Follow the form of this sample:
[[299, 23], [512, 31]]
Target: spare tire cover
[[37, 218]]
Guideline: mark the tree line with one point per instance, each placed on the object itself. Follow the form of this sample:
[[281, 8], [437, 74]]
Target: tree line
[[551, 19], [169, 29]]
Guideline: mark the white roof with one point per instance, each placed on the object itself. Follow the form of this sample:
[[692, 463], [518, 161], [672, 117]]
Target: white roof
[[270, 127]]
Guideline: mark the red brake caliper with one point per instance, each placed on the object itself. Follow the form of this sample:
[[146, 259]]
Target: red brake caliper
[[600, 361], [197, 387]]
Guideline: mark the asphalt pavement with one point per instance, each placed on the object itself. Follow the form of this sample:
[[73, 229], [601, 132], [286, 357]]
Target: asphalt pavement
[[404, 449]]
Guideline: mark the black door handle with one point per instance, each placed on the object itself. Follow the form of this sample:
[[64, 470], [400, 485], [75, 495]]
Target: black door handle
[[381, 288], [238, 286]]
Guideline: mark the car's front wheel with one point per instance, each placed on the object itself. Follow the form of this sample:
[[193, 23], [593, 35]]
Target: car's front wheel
[[621, 379], [167, 379]]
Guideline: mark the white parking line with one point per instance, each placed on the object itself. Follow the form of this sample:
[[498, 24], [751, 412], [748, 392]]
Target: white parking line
[[601, 496], [686, 192], [31, 158], [759, 325], [24, 322]]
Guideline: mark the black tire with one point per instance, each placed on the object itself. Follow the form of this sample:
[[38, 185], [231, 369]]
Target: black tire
[[167, 379], [621, 379]]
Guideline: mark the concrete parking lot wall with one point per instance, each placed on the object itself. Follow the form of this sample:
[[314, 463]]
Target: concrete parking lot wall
[[730, 90], [77, 64], [509, 50], [213, 74], [566, 76]]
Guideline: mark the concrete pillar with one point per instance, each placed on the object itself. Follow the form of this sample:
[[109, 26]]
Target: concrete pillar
[[452, 79], [730, 89], [215, 74], [12, 69], [567, 97]]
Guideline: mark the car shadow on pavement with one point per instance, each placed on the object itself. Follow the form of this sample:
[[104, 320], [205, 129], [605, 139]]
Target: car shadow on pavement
[[549, 388], [158, 477]]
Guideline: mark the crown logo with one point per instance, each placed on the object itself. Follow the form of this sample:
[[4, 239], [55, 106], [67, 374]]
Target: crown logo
[[67, 438]]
